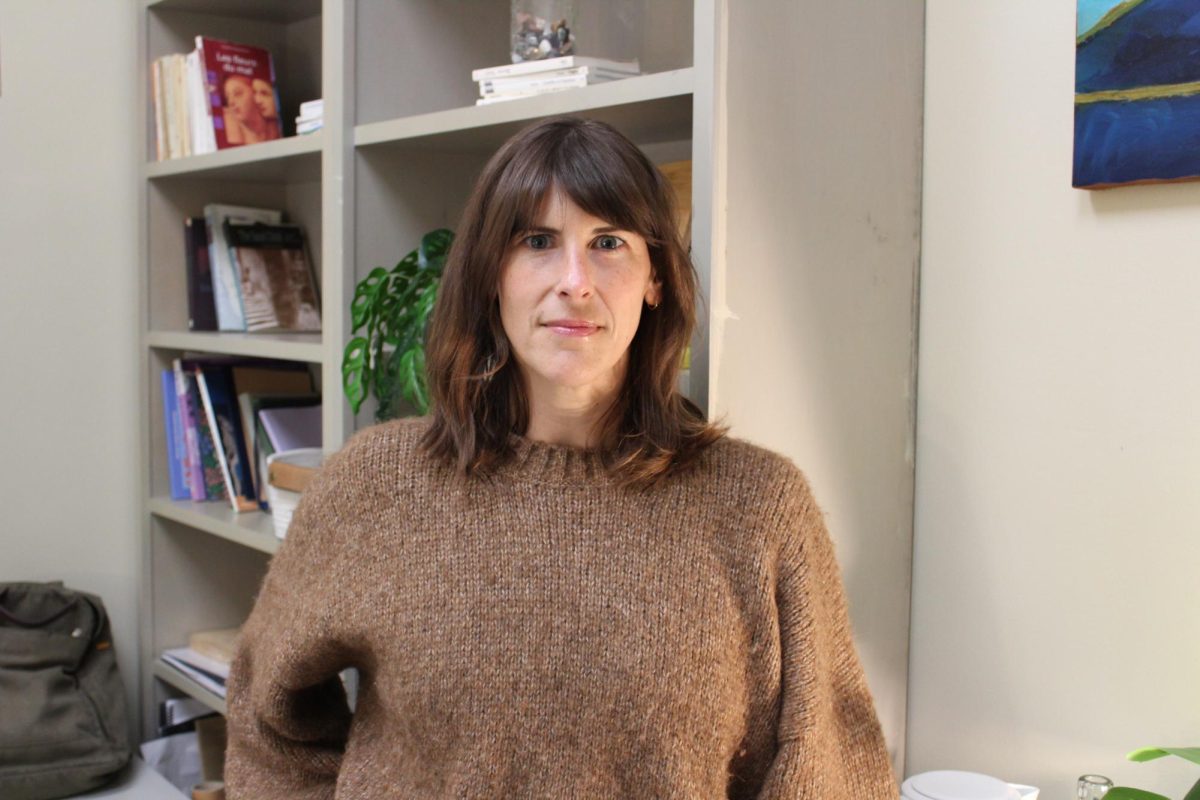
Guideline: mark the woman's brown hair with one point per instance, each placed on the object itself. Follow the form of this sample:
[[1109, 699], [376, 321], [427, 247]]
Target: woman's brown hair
[[651, 431]]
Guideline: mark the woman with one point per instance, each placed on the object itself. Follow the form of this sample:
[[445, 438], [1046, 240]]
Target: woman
[[565, 582]]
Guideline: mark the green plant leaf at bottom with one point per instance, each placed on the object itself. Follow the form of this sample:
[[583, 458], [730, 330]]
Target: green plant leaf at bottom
[[1125, 793]]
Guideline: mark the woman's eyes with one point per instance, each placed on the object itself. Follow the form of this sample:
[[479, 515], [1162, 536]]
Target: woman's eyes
[[609, 242], [543, 241]]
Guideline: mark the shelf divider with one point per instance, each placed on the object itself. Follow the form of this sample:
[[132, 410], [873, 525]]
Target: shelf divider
[[470, 126], [290, 157], [305, 347]]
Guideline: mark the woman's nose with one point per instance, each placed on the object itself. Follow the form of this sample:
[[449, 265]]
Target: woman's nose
[[575, 279]]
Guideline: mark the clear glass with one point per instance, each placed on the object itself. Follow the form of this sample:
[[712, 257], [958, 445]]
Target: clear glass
[[1092, 787], [542, 29]]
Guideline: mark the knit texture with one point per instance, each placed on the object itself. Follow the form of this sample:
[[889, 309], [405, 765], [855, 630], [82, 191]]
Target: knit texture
[[544, 633]]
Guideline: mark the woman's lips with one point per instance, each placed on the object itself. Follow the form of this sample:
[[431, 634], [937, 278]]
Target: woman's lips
[[572, 327]]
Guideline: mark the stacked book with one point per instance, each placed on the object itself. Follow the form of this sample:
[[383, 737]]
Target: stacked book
[[532, 78], [206, 659], [312, 113], [222, 94]]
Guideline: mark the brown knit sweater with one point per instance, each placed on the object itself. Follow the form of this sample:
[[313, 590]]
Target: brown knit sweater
[[545, 634]]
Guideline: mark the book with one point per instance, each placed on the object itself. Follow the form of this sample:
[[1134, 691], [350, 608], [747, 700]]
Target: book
[[579, 76], [160, 110], [312, 109], [504, 98], [227, 294], [625, 68], [243, 99], [308, 126], [276, 281], [207, 672], [176, 453], [206, 481], [220, 408], [218, 645], [250, 404], [292, 428], [202, 313], [200, 126], [293, 477], [189, 407]]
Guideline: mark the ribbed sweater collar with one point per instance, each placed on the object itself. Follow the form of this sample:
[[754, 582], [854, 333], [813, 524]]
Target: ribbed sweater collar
[[553, 464]]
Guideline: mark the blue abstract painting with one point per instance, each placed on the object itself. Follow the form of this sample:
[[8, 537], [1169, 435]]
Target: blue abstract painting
[[1137, 92]]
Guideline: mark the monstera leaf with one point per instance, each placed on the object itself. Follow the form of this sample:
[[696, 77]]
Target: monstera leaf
[[391, 308]]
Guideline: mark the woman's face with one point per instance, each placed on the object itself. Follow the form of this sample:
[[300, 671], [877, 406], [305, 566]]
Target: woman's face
[[571, 295], [240, 98], [264, 98]]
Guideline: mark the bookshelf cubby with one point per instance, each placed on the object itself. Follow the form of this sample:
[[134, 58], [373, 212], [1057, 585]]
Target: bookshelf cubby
[[400, 148]]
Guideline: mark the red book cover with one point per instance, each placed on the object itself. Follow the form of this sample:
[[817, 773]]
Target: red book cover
[[240, 82]]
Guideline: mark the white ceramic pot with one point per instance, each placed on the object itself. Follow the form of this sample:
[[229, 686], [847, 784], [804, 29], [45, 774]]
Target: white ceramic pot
[[957, 785]]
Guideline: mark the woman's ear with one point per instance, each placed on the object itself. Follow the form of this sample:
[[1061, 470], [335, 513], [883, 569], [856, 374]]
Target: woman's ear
[[654, 292]]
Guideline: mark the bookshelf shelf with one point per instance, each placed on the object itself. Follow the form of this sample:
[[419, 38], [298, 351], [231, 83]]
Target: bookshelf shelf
[[293, 159], [649, 108], [168, 674], [305, 347], [252, 529], [266, 10]]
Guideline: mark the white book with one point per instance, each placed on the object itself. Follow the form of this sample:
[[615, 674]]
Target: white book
[[576, 76], [199, 112], [549, 64], [312, 108], [308, 126], [227, 289], [507, 96], [181, 659], [489, 88]]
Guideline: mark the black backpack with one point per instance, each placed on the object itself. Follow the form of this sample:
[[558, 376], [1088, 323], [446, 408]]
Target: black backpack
[[63, 725]]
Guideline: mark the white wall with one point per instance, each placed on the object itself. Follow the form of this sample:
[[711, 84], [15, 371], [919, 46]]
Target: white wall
[[68, 346], [812, 348], [1056, 606]]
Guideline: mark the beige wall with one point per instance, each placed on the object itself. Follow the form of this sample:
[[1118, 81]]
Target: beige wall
[[1056, 606], [68, 247], [812, 342]]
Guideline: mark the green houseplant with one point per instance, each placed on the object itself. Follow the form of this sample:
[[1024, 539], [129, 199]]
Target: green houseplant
[[392, 310], [1149, 754]]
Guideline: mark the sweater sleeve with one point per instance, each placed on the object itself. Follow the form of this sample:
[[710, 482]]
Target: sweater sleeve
[[288, 716], [829, 742]]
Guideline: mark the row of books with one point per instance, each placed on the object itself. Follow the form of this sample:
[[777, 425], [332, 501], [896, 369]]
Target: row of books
[[531, 78], [222, 94], [224, 416], [247, 270]]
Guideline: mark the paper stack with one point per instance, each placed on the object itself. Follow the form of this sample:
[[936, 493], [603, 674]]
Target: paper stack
[[311, 115], [531, 78]]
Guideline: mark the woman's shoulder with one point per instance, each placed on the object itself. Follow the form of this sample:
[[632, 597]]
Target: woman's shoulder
[[732, 455], [379, 447]]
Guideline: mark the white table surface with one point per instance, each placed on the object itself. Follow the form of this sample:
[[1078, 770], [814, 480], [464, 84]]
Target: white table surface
[[137, 782]]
